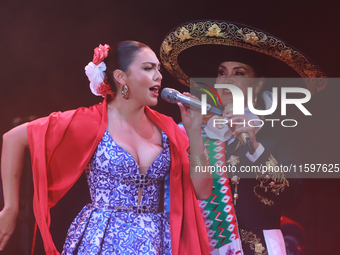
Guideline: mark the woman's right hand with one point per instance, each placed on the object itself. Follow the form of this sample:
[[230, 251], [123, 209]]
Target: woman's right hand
[[191, 119], [7, 225]]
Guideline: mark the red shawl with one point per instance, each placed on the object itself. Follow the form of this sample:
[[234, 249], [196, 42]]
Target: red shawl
[[61, 146]]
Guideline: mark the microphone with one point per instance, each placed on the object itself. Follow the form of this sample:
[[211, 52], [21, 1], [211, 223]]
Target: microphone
[[244, 136], [246, 140], [173, 96]]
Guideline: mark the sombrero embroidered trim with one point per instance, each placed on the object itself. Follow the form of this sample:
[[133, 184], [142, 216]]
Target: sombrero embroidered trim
[[237, 35]]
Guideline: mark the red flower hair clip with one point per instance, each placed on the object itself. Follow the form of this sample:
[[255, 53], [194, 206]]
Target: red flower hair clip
[[95, 72], [100, 53]]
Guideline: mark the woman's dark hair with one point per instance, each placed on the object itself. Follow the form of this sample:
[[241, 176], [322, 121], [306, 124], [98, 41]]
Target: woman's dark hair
[[121, 57]]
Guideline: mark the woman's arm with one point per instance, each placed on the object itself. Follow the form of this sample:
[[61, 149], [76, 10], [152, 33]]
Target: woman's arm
[[13, 148], [192, 121]]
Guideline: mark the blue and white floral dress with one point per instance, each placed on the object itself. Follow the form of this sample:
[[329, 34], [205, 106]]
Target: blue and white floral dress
[[114, 223]]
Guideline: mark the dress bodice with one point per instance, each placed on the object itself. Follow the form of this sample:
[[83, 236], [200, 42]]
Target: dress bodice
[[114, 178]]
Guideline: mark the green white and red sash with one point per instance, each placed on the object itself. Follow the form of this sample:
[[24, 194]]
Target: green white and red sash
[[218, 211]]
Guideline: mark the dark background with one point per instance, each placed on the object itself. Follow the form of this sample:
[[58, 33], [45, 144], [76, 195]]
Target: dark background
[[45, 45]]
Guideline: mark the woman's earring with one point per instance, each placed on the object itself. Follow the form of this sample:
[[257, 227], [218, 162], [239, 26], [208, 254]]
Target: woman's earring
[[125, 92]]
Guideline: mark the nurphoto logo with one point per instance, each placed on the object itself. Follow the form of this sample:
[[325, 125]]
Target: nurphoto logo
[[238, 105]]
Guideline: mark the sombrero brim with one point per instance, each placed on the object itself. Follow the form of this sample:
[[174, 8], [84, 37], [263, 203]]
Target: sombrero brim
[[195, 49]]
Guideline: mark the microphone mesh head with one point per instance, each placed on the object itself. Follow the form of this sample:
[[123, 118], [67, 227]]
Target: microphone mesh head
[[169, 95]]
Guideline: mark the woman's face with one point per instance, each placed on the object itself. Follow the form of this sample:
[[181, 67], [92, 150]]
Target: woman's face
[[240, 75], [144, 78]]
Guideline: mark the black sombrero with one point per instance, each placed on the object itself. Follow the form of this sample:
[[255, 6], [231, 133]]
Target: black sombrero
[[205, 41]]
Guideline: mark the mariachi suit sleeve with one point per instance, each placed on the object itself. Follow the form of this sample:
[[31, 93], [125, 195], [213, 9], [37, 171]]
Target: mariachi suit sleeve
[[265, 194], [280, 183]]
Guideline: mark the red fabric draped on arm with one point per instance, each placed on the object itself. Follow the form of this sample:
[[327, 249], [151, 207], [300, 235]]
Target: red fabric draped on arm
[[61, 145], [188, 232]]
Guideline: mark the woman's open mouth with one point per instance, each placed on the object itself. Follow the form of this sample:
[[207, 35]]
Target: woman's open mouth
[[155, 89]]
